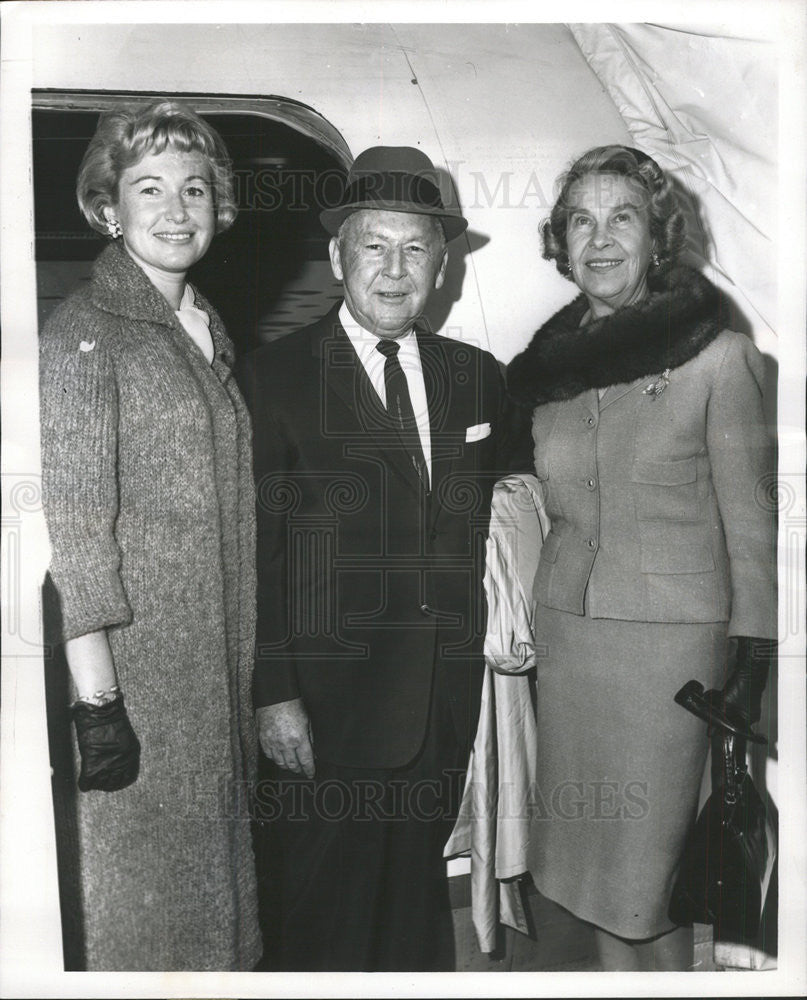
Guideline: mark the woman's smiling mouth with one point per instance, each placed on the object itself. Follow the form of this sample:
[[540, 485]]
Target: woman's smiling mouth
[[604, 264], [174, 237]]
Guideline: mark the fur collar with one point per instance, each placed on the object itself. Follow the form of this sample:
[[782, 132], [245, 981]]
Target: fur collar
[[679, 317]]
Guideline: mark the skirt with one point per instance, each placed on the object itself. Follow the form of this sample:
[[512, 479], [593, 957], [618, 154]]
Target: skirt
[[620, 764]]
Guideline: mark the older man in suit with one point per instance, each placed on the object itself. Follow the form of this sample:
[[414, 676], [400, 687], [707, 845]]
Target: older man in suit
[[375, 443]]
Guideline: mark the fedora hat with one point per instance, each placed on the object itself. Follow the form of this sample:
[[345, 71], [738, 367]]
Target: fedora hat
[[393, 179]]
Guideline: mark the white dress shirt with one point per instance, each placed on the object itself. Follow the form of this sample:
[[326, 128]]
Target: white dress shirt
[[373, 363]]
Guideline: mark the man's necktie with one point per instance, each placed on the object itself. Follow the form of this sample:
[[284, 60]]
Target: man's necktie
[[399, 407]]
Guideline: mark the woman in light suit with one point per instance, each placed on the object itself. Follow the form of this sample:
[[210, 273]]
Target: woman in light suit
[[651, 447]]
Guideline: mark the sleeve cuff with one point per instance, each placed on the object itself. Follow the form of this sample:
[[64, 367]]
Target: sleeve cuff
[[90, 602], [273, 684]]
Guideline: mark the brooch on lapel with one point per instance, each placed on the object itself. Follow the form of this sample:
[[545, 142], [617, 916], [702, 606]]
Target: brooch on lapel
[[656, 388]]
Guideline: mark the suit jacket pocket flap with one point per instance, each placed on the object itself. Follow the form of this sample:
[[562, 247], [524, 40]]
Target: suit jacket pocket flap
[[668, 547]]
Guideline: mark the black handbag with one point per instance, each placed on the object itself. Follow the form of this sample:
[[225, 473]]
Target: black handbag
[[728, 858]]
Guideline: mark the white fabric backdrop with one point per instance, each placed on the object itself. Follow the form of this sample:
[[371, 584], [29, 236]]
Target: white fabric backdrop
[[704, 106]]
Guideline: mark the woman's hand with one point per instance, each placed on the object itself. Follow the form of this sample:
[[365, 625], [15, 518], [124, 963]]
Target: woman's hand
[[740, 701], [742, 693], [110, 751]]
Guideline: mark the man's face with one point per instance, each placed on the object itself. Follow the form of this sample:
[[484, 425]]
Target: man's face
[[388, 262]]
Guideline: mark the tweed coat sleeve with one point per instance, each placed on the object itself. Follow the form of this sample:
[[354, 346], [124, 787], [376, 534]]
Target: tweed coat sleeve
[[740, 454], [79, 428]]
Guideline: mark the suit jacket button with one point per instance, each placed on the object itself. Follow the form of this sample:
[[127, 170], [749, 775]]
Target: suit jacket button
[[592, 543], [590, 421], [591, 484]]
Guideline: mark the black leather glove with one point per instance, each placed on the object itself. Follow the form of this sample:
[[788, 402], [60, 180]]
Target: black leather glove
[[741, 702], [742, 693], [110, 751]]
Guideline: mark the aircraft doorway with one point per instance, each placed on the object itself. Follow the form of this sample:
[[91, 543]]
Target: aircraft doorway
[[269, 273]]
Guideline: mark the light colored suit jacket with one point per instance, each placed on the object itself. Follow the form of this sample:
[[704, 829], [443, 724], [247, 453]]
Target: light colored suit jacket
[[660, 503]]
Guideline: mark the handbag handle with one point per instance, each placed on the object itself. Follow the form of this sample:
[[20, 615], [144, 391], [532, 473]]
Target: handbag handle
[[733, 765], [692, 698]]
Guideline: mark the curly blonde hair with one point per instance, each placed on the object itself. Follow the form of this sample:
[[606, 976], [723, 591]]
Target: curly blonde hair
[[125, 135]]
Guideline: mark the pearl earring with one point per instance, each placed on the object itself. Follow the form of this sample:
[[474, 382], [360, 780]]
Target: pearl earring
[[114, 229]]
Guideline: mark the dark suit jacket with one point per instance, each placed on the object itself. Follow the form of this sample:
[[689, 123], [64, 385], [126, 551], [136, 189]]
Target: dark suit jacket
[[366, 584]]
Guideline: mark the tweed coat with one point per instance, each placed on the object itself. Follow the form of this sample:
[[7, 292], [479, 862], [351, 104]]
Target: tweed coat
[[657, 499], [149, 502]]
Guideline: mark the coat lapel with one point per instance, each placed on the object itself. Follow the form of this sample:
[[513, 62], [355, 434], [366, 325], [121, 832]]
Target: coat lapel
[[435, 378], [222, 344], [589, 402], [347, 386], [615, 392], [121, 287], [447, 420]]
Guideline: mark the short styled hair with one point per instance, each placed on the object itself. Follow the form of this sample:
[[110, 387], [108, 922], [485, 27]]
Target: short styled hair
[[126, 134], [667, 226]]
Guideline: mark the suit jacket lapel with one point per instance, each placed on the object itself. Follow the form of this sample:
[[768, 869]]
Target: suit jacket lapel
[[615, 392], [446, 424], [589, 403], [346, 384]]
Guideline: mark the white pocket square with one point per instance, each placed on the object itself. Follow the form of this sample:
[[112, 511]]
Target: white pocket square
[[477, 432]]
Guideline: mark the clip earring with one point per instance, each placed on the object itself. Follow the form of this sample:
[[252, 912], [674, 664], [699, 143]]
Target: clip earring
[[654, 259], [114, 229]]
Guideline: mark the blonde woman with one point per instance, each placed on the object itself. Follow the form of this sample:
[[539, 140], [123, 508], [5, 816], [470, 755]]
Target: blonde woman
[[150, 510]]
